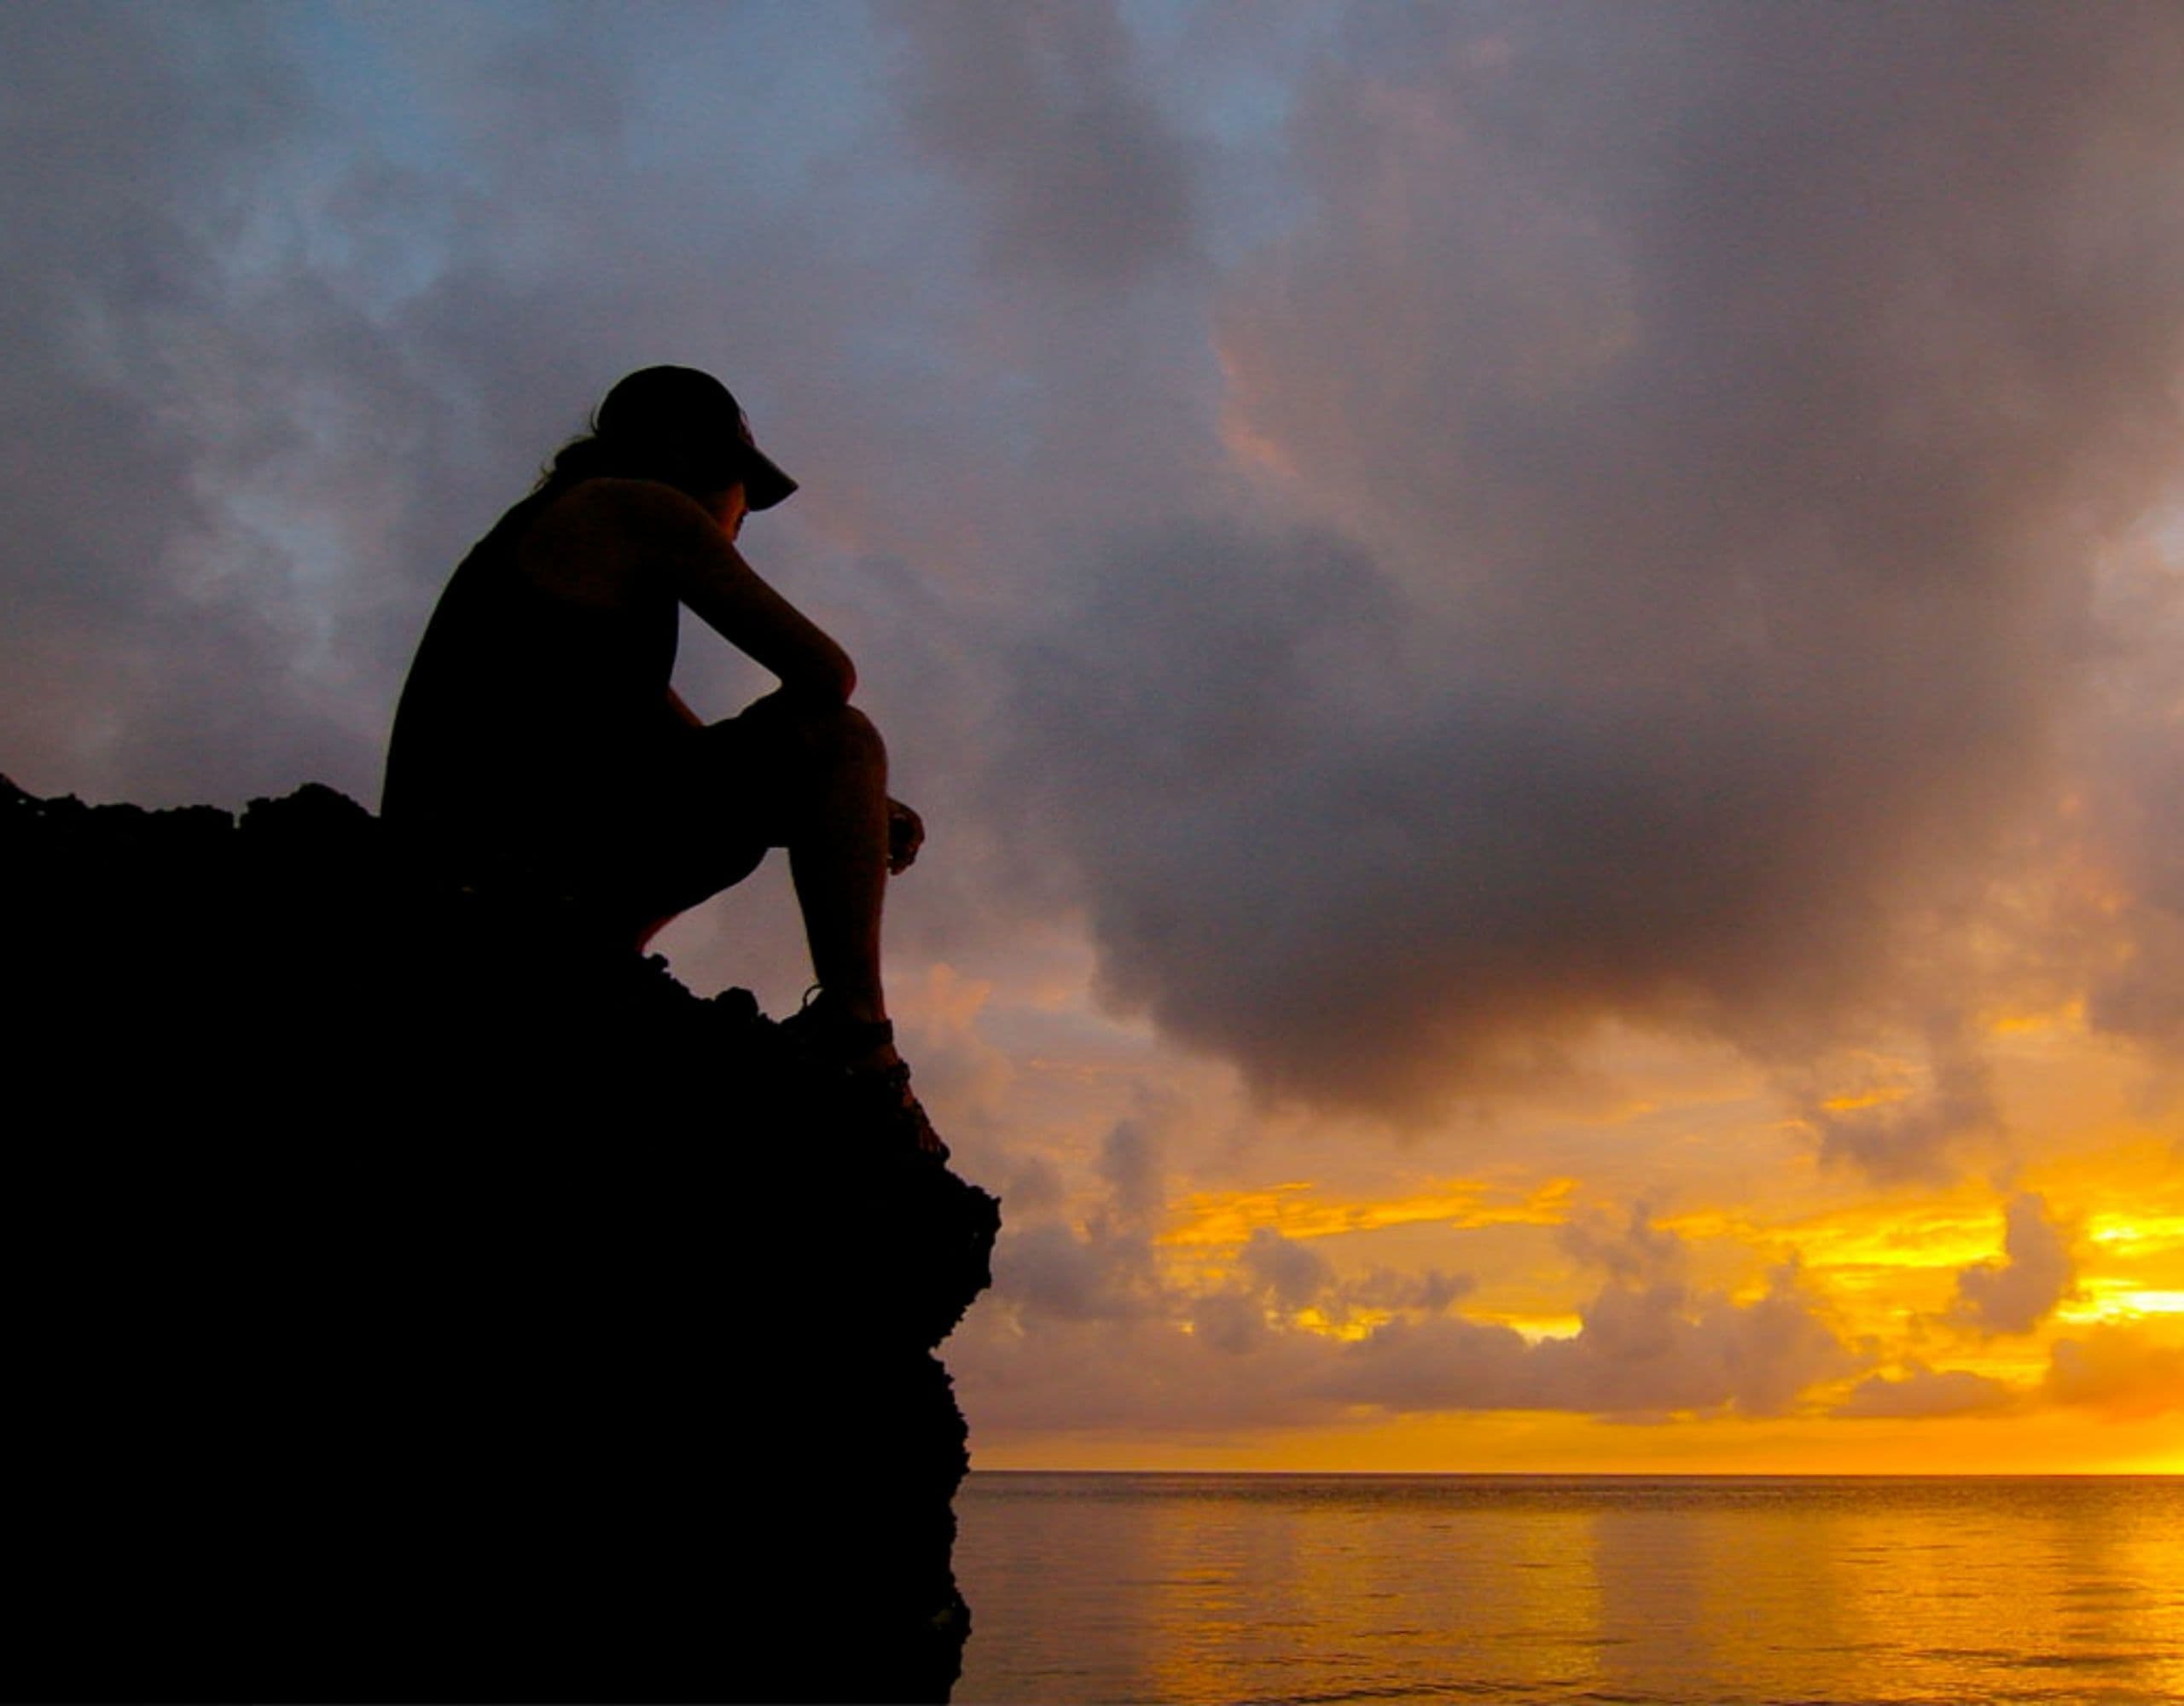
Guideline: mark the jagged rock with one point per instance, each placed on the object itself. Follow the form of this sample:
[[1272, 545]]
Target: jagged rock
[[407, 1300]]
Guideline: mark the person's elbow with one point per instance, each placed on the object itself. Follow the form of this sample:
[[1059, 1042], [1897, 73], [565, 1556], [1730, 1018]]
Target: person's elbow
[[827, 675]]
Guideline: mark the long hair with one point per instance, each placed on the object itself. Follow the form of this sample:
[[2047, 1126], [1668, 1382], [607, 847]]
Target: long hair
[[698, 470]]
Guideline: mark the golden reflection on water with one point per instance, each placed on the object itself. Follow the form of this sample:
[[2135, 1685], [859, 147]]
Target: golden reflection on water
[[1209, 1589]]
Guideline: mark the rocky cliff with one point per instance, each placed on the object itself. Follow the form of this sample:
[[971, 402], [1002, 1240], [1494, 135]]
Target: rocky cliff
[[406, 1301]]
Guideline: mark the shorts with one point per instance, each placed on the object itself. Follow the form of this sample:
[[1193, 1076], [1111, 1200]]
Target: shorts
[[630, 831], [701, 817]]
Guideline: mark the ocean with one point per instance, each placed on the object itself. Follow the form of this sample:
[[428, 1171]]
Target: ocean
[[1742, 1590]]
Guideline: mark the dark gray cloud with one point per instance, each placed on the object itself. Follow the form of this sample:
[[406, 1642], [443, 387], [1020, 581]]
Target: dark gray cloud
[[1909, 1134], [1130, 1162], [247, 458], [1104, 1269], [1651, 1345], [2123, 1369], [1923, 1391], [1730, 408], [2128, 920], [1041, 112], [1431, 1292], [1290, 1273], [1106, 1273], [1083, 1309], [2035, 1272], [131, 593]]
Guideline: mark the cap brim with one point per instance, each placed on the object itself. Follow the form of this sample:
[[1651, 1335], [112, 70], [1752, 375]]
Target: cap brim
[[764, 484]]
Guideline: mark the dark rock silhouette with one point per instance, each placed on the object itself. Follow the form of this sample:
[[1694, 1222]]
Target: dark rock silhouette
[[406, 1302]]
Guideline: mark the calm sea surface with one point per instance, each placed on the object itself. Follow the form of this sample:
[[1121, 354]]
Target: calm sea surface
[[1733, 1589]]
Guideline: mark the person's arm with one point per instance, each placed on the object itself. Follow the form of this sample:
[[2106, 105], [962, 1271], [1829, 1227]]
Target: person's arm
[[710, 575], [636, 528]]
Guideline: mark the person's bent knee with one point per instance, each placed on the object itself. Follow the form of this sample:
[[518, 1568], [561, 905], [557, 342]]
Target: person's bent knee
[[858, 735], [823, 737], [841, 737]]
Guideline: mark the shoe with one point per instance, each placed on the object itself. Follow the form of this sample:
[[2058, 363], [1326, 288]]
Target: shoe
[[834, 1044], [896, 1105], [831, 1039]]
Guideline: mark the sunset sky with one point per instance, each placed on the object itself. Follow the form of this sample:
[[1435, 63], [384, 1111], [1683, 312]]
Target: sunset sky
[[1543, 645]]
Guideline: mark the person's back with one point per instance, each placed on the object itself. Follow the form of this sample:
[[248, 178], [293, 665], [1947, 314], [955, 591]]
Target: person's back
[[530, 720]]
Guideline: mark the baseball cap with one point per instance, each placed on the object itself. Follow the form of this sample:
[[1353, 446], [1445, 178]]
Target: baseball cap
[[680, 409]]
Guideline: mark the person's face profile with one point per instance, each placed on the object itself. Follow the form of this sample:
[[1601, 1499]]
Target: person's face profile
[[729, 508]]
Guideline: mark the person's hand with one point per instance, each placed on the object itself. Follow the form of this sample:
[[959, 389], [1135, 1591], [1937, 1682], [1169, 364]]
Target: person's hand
[[905, 835]]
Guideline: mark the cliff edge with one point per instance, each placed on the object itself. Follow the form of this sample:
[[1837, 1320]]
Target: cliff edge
[[407, 1302]]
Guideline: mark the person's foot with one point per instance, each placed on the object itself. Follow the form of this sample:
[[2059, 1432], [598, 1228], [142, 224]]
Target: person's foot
[[830, 1036], [895, 1102], [862, 1051]]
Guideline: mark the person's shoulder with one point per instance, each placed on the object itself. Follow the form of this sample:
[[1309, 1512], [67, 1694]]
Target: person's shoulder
[[603, 540], [630, 503]]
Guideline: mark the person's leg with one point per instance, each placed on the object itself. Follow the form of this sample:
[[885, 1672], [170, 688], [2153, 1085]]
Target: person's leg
[[838, 859], [823, 772], [681, 860], [813, 779]]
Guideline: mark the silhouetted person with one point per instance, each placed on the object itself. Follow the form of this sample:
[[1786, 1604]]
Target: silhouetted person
[[540, 753]]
